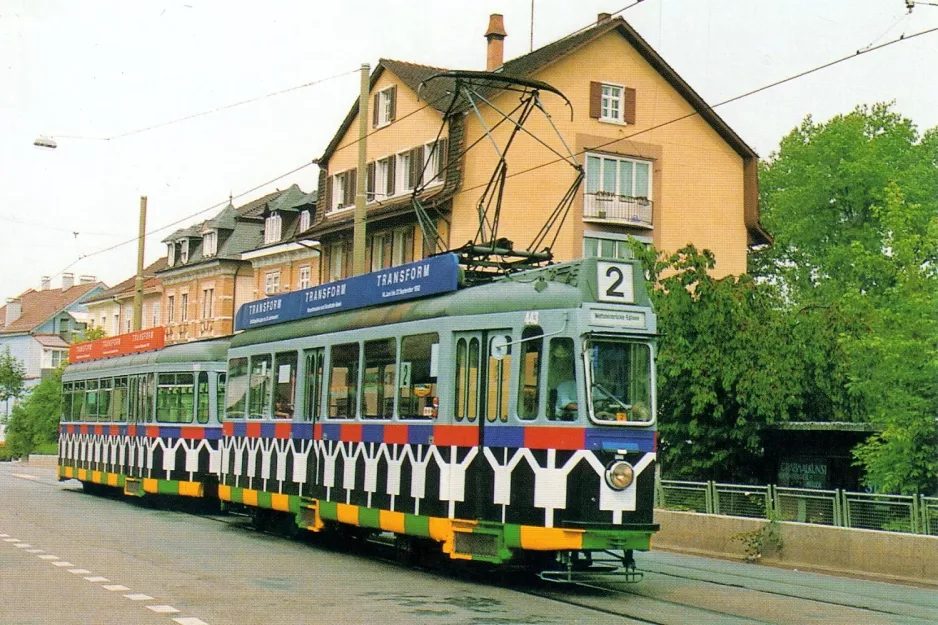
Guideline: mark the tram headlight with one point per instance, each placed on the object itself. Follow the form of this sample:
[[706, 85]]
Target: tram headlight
[[619, 475]]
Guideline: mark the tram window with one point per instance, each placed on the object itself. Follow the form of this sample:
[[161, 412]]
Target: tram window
[[499, 377], [314, 372], [285, 384], [202, 398], [78, 401], [417, 392], [119, 401], [467, 378], [237, 388], [174, 397], [259, 391], [147, 391], [105, 388], [91, 400], [529, 382], [343, 381], [620, 376], [561, 380], [219, 394], [378, 382], [67, 401]]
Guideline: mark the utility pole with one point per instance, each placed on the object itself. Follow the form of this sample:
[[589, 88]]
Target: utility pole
[[358, 234], [138, 290]]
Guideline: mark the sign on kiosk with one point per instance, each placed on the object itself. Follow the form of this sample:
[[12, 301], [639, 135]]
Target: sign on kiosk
[[120, 345]]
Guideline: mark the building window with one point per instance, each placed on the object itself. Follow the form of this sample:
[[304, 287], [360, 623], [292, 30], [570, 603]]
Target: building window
[[436, 161], [406, 174], [116, 328], [610, 107], [304, 278], [381, 251], [171, 309], [184, 313], [156, 315], [343, 190], [184, 251], [210, 243], [170, 254], [208, 303], [336, 264], [385, 104], [606, 248], [403, 251], [272, 282], [272, 228], [304, 221]]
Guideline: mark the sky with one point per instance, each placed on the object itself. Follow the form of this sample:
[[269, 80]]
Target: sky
[[103, 78]]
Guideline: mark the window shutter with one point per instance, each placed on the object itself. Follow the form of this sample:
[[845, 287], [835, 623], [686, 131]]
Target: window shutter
[[628, 105], [392, 178], [351, 186], [416, 166], [392, 94], [329, 185], [596, 99], [370, 181], [374, 111]]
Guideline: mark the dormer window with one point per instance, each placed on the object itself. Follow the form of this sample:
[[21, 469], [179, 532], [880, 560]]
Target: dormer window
[[170, 254], [210, 243], [184, 251], [272, 228], [304, 221]]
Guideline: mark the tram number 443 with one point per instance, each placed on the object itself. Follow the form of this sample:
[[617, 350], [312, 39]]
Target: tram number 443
[[615, 282]]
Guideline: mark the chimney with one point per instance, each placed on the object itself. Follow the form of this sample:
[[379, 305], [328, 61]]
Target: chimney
[[602, 18], [495, 49], [68, 281], [44, 283], [86, 280], [14, 310]]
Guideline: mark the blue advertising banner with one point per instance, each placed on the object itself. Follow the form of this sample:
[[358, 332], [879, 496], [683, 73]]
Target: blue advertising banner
[[430, 276]]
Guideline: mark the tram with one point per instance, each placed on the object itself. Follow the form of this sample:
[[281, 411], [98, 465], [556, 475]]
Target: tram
[[142, 417], [507, 421]]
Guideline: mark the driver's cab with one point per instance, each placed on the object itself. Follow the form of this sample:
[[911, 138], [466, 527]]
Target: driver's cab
[[619, 381]]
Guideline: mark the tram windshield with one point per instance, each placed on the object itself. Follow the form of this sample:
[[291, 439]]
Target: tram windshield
[[620, 390]]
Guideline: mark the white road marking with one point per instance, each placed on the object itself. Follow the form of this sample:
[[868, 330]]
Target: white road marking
[[12, 540], [48, 556], [97, 579], [139, 597], [24, 476], [190, 620], [22, 545], [35, 551], [116, 588], [4, 535], [79, 571], [162, 609], [62, 563]]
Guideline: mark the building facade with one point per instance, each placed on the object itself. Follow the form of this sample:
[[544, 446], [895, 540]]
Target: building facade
[[113, 309]]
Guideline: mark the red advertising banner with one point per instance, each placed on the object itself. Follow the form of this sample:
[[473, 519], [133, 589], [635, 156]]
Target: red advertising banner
[[120, 345]]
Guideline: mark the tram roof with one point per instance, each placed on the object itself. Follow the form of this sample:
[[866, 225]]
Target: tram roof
[[565, 285], [212, 350]]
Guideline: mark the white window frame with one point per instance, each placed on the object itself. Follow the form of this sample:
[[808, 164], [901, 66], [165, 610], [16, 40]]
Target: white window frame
[[304, 277], [184, 304], [619, 243], [272, 228], [612, 103], [272, 282], [170, 254], [382, 169], [432, 173], [156, 314], [402, 172], [601, 178], [336, 261], [171, 308], [184, 251], [304, 221], [210, 243], [384, 106], [208, 303]]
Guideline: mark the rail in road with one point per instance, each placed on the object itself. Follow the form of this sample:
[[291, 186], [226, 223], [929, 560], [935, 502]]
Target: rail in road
[[217, 570]]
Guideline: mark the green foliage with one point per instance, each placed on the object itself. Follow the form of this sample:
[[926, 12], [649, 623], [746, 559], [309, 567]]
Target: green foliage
[[726, 364], [35, 420], [12, 376], [853, 207], [768, 538], [90, 333]]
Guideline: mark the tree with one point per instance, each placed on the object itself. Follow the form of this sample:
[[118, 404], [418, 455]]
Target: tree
[[35, 420], [12, 377], [726, 366], [852, 204], [90, 333]]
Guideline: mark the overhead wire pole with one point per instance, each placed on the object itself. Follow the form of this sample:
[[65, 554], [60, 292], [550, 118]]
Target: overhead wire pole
[[138, 283], [358, 233]]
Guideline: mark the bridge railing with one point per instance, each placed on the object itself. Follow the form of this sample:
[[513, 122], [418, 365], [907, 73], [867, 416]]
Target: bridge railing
[[915, 514]]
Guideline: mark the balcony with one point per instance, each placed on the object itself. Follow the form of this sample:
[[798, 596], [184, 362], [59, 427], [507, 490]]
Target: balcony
[[626, 210]]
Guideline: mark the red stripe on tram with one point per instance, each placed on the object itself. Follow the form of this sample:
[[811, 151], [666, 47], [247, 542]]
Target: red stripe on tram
[[554, 438], [351, 433], [456, 435], [395, 434]]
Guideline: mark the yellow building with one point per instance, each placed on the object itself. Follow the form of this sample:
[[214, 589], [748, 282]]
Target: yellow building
[[113, 309], [658, 163], [207, 277]]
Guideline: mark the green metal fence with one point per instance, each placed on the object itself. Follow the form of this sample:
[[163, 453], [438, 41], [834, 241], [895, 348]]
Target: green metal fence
[[914, 514]]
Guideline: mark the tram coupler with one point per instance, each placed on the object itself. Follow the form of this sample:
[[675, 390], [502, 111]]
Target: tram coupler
[[580, 567]]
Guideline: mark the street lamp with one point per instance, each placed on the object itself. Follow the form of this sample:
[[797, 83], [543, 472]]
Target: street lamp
[[43, 141]]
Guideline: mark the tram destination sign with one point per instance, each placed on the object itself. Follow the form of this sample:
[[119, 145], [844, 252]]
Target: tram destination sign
[[431, 276]]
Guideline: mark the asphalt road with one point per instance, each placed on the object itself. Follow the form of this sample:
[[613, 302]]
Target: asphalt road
[[70, 558]]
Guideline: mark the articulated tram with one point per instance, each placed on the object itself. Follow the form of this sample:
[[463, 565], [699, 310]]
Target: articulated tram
[[503, 422]]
